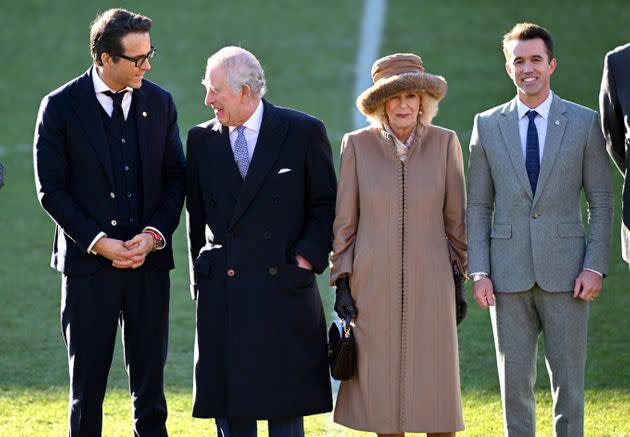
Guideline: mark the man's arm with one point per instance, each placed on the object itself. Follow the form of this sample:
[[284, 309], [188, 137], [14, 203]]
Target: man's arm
[[167, 215], [320, 190], [480, 206], [51, 169], [598, 190], [612, 116]]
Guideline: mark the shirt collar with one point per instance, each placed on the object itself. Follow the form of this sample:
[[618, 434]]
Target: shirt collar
[[388, 129], [542, 109], [100, 86], [254, 122]]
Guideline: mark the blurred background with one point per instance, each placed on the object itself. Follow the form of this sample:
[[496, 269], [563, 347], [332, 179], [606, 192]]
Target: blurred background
[[309, 52]]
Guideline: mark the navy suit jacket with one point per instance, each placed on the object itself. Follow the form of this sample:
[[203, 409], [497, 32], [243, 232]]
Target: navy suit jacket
[[74, 175]]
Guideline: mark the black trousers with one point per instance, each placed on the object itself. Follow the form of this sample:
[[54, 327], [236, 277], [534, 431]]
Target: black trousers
[[92, 307], [278, 427]]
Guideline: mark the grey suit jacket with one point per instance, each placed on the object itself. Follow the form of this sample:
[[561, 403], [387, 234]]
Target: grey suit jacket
[[614, 104], [521, 239]]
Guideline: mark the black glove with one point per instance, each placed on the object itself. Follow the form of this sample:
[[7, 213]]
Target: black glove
[[343, 300], [461, 304]]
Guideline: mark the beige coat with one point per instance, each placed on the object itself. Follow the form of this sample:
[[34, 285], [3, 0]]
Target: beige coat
[[399, 227]]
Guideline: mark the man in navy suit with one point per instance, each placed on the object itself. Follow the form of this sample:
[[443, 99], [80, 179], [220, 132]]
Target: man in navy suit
[[261, 193], [109, 170]]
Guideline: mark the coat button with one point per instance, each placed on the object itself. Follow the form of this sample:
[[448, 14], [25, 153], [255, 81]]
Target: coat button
[[124, 141], [267, 235], [112, 195], [231, 272], [114, 222], [535, 215], [273, 271], [276, 199]]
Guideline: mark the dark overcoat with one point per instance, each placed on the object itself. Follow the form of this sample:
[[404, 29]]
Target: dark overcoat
[[260, 347], [614, 105]]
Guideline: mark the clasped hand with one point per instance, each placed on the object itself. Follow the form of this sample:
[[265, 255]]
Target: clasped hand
[[125, 254]]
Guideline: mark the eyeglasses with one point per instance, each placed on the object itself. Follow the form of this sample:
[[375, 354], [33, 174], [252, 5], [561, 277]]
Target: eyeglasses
[[139, 60]]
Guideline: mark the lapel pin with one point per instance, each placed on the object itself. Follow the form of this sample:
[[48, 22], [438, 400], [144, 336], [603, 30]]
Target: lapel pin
[[144, 114], [557, 122]]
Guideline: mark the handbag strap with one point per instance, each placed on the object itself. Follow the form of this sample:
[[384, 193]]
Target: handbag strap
[[347, 324]]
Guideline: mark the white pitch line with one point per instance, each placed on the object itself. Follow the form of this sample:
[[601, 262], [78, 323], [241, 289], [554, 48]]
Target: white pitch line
[[369, 46], [372, 24]]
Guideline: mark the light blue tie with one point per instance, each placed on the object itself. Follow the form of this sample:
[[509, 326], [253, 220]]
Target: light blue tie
[[240, 152]]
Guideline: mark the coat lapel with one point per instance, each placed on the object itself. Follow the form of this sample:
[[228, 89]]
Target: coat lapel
[[512, 140], [225, 161], [148, 154], [88, 110], [556, 126], [270, 141]]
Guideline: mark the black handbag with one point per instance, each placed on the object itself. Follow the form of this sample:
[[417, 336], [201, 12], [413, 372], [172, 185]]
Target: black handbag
[[461, 304], [341, 349]]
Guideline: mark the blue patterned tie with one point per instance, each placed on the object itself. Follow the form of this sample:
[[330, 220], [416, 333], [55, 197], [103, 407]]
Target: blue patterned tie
[[532, 151], [240, 152]]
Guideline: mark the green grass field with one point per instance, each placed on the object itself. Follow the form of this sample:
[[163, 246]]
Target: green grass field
[[308, 50]]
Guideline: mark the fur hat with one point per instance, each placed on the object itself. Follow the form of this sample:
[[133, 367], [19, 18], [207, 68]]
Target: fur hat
[[401, 73]]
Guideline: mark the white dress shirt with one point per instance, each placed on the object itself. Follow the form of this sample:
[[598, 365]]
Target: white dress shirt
[[107, 102], [540, 121], [252, 129]]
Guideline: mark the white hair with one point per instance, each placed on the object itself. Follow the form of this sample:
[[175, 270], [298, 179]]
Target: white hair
[[241, 68]]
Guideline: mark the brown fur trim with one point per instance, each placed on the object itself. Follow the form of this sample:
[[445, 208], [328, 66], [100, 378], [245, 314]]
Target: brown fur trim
[[370, 100]]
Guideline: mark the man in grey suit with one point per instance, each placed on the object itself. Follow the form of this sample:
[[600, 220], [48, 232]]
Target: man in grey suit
[[614, 104], [530, 158]]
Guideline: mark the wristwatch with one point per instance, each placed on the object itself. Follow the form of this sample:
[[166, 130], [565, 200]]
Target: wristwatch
[[478, 276], [158, 241]]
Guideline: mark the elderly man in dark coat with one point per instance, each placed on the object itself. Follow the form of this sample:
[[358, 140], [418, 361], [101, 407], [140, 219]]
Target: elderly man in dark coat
[[261, 194]]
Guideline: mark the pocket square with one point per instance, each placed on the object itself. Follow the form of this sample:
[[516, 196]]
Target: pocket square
[[284, 170]]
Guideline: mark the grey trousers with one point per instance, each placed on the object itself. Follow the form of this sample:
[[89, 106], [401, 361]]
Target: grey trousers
[[517, 321]]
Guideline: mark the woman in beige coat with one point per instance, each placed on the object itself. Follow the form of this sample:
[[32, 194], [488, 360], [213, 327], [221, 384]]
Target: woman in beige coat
[[398, 234]]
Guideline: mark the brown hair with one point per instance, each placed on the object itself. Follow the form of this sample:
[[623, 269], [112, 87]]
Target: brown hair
[[528, 31], [109, 27]]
